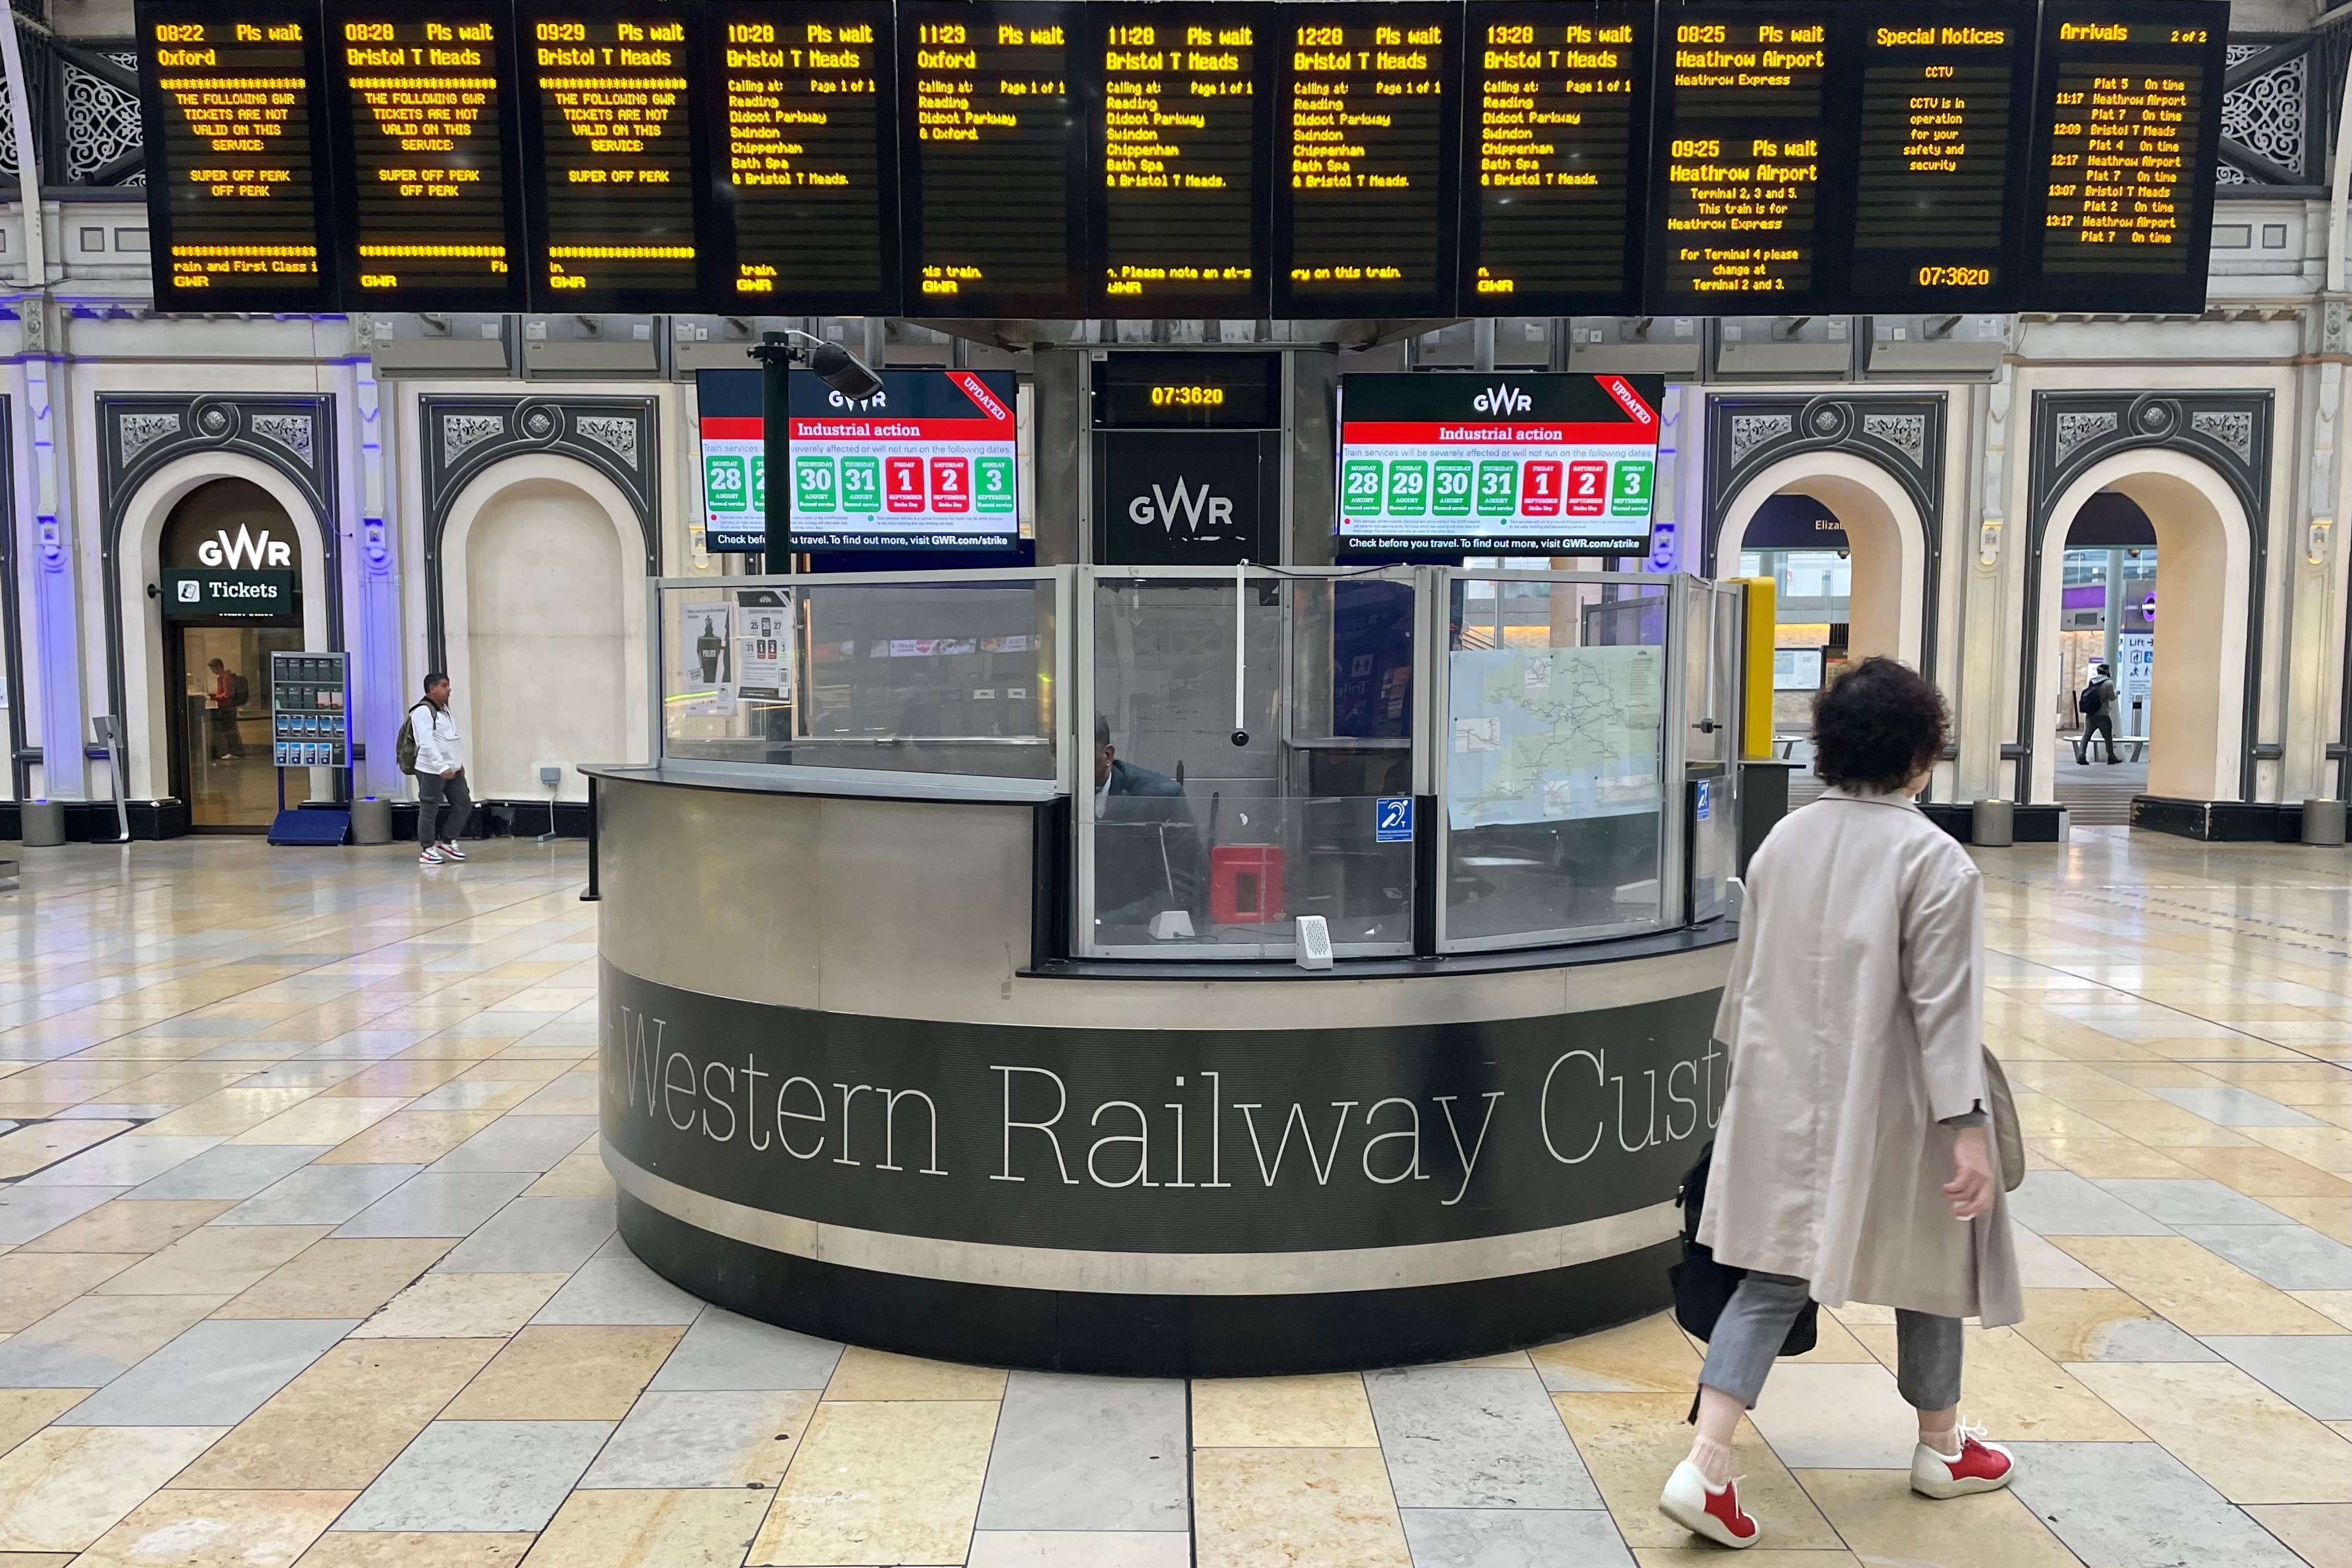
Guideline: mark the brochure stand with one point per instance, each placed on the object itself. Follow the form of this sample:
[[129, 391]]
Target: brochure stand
[[310, 701]]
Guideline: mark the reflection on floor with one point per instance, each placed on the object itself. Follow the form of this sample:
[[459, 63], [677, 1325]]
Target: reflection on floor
[[308, 1259]]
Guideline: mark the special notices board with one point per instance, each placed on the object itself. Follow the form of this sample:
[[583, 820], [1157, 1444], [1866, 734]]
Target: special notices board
[[1941, 197], [2131, 101], [1177, 224], [992, 175], [1366, 160], [805, 144], [233, 216], [1555, 159], [1736, 217], [431, 206], [609, 141]]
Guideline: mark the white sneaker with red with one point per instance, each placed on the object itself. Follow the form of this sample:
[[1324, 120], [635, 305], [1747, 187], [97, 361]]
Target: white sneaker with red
[[1712, 1512], [1978, 1467]]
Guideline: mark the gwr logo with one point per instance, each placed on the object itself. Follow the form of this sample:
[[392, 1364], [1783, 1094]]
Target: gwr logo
[[1163, 509], [1503, 399], [245, 550]]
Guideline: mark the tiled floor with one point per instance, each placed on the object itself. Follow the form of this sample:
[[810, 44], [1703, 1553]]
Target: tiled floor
[[306, 1257]]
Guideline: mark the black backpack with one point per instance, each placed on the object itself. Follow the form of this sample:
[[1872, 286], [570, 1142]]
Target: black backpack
[[1703, 1287], [240, 693], [2093, 700]]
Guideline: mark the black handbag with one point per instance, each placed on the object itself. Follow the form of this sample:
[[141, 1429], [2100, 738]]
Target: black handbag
[[1703, 1287]]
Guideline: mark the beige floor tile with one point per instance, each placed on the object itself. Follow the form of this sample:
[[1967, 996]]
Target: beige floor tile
[[2195, 1289], [394, 1080], [219, 1258], [566, 1373], [24, 1411], [124, 1329], [2167, 1126], [514, 1071], [321, 1120], [37, 1558], [141, 1225], [1328, 1410], [2266, 1173], [2328, 1216], [1646, 1357], [880, 1481], [2100, 1159], [62, 1489], [2073, 1325], [1632, 1442], [347, 1416], [350, 1278], [229, 1113], [2251, 1445], [574, 1175], [27, 1149], [415, 1548], [469, 1306], [34, 1284], [2328, 1148], [1835, 1344], [701, 1529], [2320, 1533], [1703, 1555], [2020, 1394], [2337, 1304], [864, 1374], [1295, 1508], [1884, 1523], [409, 1137], [183, 1529]]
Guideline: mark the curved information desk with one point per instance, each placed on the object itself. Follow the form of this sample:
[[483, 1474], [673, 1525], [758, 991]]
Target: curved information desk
[[846, 1089]]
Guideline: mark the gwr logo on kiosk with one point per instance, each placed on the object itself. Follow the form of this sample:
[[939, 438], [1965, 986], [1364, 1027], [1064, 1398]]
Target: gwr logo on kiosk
[[1436, 464], [927, 462]]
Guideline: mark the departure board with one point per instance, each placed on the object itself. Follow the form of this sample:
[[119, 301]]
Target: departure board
[[802, 115], [1555, 147], [430, 202], [993, 160], [2131, 96], [1367, 156], [1179, 146], [236, 214], [1939, 194], [1744, 141], [607, 129]]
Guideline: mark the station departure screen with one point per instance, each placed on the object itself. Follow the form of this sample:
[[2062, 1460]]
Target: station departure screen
[[993, 157], [805, 120], [1178, 149], [1939, 211], [1367, 154], [428, 208], [1743, 147], [606, 121], [1555, 145], [236, 214], [2131, 96]]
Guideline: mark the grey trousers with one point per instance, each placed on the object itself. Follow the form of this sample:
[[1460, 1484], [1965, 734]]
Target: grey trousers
[[1756, 1325], [444, 809]]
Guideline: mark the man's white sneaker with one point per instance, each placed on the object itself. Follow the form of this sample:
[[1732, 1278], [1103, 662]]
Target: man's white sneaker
[[1712, 1512], [1978, 1467], [429, 857], [450, 852]]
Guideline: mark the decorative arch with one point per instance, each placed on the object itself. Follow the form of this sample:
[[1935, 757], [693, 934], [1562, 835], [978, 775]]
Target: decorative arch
[[2077, 435], [1886, 437], [1867, 500], [284, 442], [468, 433]]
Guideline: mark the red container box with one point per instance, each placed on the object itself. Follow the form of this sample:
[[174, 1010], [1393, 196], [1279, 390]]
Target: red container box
[[1245, 884]]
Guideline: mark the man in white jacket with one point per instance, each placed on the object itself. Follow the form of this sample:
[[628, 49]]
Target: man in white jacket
[[444, 805]]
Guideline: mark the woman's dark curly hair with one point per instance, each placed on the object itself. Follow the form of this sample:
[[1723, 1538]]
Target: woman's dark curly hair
[[1877, 726]]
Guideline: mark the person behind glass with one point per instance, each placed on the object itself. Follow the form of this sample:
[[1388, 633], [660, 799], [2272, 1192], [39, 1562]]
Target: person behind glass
[[444, 806], [1852, 1161], [1170, 877], [225, 741]]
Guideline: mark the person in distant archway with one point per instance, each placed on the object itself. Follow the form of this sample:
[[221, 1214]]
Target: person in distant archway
[[229, 693], [2097, 704]]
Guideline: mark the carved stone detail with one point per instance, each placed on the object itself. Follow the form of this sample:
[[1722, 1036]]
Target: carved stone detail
[[461, 433], [138, 432], [2233, 428], [2075, 429], [1906, 433], [1750, 431], [294, 431]]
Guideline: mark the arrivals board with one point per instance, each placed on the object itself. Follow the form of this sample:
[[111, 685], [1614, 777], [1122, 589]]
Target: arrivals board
[[607, 129], [235, 218], [1178, 153], [1942, 194], [992, 192], [1747, 128], [2131, 101], [802, 116], [1367, 154], [431, 194], [927, 462], [730, 412], [1555, 158], [1433, 463]]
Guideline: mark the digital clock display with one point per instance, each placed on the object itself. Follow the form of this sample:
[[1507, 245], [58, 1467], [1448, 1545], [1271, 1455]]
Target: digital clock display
[[1196, 391]]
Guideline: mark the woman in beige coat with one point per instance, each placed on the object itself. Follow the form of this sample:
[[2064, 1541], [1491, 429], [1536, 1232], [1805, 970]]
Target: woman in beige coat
[[1853, 1163]]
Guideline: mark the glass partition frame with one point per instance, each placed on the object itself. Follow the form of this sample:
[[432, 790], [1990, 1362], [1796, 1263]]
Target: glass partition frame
[[794, 586], [1671, 908]]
